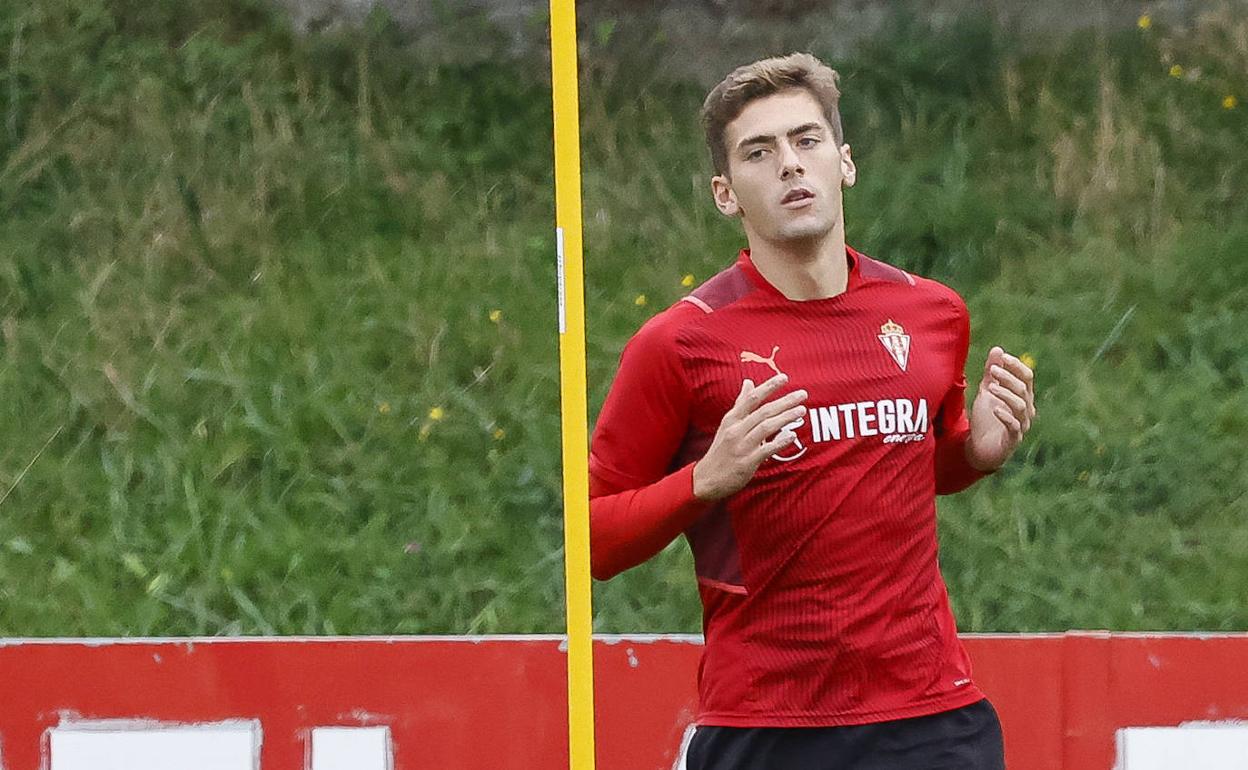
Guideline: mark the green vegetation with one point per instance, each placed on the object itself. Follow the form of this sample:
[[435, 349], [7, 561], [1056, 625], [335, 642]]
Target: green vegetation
[[278, 349]]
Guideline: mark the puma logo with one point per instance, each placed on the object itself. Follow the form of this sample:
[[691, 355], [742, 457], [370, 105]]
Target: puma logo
[[753, 358], [797, 448]]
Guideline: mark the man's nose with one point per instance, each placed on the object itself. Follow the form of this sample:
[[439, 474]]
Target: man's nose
[[790, 164]]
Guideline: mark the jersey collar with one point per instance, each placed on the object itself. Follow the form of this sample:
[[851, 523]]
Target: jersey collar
[[852, 258]]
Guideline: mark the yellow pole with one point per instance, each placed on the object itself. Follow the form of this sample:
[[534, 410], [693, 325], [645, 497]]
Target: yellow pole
[[575, 413]]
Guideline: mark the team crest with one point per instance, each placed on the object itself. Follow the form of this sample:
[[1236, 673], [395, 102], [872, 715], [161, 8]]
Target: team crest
[[896, 342]]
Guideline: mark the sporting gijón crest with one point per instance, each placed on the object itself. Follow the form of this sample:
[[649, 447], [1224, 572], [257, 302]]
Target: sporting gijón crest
[[896, 342]]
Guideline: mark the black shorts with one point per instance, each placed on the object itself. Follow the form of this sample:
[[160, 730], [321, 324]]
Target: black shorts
[[968, 738]]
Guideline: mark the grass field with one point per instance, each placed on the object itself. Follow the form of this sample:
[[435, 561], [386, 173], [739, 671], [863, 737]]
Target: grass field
[[278, 349]]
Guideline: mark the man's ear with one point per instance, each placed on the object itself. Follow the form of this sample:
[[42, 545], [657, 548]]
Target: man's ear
[[725, 198], [849, 172]]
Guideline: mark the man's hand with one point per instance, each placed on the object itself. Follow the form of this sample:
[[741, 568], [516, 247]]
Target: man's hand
[[751, 431], [1004, 408]]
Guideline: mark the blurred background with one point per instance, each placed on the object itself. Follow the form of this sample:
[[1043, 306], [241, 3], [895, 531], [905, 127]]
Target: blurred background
[[277, 297]]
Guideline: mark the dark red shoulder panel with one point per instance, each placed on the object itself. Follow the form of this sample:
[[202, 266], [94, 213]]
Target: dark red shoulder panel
[[879, 271], [723, 289]]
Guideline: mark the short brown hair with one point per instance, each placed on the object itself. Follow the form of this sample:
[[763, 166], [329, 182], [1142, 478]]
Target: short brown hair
[[763, 78]]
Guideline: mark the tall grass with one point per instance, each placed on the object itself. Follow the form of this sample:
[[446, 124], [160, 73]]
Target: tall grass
[[278, 348]]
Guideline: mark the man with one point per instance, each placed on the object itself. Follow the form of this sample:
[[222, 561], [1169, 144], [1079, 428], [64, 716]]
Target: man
[[795, 417]]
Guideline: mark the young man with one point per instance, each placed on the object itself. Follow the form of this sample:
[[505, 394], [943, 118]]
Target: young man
[[795, 417]]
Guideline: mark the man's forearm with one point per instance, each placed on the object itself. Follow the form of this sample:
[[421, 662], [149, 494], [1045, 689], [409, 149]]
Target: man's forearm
[[954, 471], [629, 527]]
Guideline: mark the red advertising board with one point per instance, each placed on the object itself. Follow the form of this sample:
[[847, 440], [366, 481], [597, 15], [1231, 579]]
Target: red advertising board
[[500, 702]]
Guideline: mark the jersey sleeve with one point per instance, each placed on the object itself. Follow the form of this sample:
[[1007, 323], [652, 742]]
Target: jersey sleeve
[[953, 472], [637, 505]]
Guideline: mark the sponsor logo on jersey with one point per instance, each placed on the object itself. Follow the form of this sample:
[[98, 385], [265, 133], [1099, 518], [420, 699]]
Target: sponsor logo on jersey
[[897, 420], [895, 340]]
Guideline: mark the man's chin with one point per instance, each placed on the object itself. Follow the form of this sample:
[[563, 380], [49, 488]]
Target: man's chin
[[803, 233]]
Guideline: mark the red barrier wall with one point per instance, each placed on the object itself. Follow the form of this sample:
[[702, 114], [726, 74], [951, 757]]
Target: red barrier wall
[[499, 702]]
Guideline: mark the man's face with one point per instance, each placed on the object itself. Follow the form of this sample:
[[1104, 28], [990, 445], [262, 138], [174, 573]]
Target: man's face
[[784, 169]]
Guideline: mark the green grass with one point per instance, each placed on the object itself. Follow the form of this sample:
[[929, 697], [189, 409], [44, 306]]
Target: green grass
[[255, 381]]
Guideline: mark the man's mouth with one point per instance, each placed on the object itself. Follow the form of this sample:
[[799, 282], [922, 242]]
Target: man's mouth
[[797, 197]]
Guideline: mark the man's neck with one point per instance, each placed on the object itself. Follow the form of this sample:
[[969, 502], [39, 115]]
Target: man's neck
[[804, 270]]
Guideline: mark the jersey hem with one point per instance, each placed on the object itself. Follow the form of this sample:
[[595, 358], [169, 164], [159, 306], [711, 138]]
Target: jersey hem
[[963, 697]]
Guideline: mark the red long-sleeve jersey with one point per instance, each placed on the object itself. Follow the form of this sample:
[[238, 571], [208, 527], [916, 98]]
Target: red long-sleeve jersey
[[823, 602]]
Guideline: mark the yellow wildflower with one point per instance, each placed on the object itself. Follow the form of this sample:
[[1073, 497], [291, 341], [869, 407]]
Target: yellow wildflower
[[499, 434], [1229, 102], [1144, 22], [496, 316], [687, 281], [384, 407], [437, 413], [640, 301], [1028, 360], [1176, 71]]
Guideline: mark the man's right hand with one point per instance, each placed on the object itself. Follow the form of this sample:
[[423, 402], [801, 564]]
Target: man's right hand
[[746, 437]]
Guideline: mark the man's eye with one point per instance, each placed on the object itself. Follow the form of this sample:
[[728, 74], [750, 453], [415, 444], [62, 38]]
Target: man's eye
[[808, 141], [755, 154]]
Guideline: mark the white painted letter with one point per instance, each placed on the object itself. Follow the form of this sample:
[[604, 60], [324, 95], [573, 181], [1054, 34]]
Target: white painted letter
[[134, 745], [351, 748], [1209, 746]]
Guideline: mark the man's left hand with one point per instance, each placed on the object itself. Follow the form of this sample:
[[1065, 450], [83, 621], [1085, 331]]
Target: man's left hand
[[1004, 408]]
